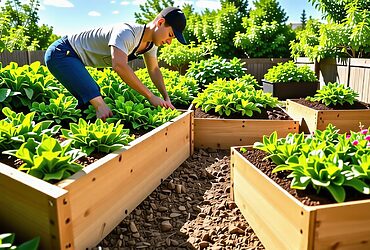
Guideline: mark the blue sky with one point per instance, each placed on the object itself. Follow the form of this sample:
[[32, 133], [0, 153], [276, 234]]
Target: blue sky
[[71, 16]]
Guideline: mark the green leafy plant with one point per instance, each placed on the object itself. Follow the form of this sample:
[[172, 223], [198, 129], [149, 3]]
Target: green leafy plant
[[98, 136], [179, 55], [21, 86], [49, 160], [17, 128], [334, 94], [290, 72], [324, 160], [140, 115], [233, 97], [180, 89], [63, 108], [207, 71], [7, 242]]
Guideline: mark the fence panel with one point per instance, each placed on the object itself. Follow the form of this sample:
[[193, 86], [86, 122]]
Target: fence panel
[[20, 57], [258, 66], [37, 55], [353, 72]]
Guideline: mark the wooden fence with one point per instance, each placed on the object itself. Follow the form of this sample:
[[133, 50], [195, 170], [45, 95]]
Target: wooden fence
[[353, 72]]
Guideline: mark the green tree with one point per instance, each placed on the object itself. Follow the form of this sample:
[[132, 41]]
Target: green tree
[[269, 11], [220, 26], [347, 33], [150, 9], [303, 19], [21, 29], [266, 34], [333, 10], [242, 5]]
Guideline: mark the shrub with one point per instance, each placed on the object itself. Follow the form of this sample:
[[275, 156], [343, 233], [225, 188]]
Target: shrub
[[233, 97], [207, 71], [290, 72], [333, 94]]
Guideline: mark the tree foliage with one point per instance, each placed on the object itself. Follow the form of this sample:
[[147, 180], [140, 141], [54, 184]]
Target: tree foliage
[[242, 5], [150, 9], [269, 11], [266, 34], [303, 19], [19, 26], [221, 27], [347, 33]]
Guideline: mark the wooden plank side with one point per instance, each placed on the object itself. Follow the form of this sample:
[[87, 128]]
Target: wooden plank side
[[343, 226], [224, 133], [31, 207], [279, 221], [306, 116], [103, 197], [345, 120]]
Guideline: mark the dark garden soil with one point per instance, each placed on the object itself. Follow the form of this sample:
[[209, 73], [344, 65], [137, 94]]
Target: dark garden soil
[[191, 209], [307, 197], [271, 114], [320, 106]]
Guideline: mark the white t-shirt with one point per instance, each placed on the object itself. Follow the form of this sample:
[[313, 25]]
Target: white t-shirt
[[93, 46]]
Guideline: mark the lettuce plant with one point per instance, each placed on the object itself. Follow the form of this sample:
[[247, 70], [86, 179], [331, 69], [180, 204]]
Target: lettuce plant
[[324, 160], [48, 159], [234, 96], [98, 136], [140, 115], [59, 109], [21, 86], [334, 94], [17, 128], [180, 89]]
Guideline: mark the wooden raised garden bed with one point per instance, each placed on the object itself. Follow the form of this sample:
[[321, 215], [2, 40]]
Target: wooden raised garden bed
[[282, 222], [80, 211], [311, 119], [225, 133]]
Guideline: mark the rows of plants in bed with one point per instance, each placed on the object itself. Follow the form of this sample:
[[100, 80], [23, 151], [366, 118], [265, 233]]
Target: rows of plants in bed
[[324, 167], [44, 134]]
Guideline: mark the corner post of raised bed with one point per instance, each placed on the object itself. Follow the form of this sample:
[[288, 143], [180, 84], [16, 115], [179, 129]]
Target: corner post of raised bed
[[62, 213], [42, 209], [232, 164], [191, 132]]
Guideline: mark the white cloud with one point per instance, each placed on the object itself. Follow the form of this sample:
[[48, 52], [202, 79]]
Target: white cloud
[[180, 3], [125, 3], [138, 2], [59, 3], [94, 13], [113, 1], [208, 4], [115, 12]]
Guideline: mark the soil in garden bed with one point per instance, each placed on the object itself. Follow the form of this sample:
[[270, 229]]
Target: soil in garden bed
[[309, 196], [320, 106], [270, 114], [191, 209]]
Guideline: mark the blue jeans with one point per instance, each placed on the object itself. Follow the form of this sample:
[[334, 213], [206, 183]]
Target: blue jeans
[[66, 66]]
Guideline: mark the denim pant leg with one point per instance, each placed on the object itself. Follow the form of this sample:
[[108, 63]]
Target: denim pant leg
[[63, 62]]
